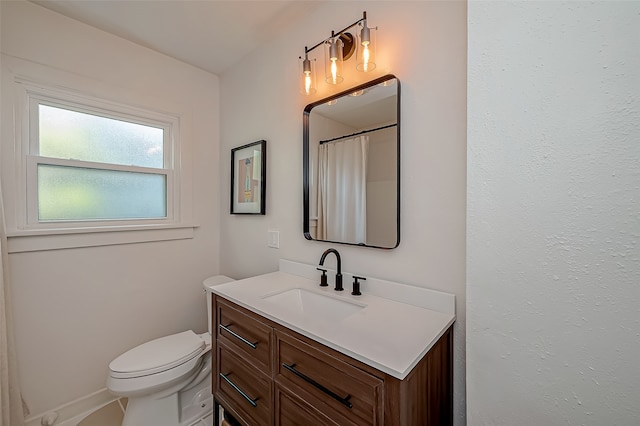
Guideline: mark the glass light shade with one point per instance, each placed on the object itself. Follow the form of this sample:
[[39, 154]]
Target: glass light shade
[[333, 60], [307, 73], [366, 55]]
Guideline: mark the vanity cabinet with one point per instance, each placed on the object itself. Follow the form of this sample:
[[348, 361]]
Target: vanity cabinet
[[267, 374]]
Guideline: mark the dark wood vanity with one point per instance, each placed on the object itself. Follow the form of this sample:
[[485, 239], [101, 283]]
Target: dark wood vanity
[[267, 374]]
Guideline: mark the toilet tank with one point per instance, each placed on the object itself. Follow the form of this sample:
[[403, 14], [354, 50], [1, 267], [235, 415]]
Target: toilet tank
[[208, 284]]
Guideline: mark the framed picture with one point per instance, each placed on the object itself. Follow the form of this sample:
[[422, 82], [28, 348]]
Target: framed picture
[[249, 178]]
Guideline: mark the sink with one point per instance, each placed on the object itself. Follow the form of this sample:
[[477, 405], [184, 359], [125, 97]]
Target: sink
[[311, 303]]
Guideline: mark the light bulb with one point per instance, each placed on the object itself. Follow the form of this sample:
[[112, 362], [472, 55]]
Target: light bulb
[[307, 83], [334, 70], [365, 57]]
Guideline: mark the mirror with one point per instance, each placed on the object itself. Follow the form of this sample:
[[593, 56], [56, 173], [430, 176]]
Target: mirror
[[351, 166]]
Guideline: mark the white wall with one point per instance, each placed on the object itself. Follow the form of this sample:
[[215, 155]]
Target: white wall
[[76, 309], [424, 44], [553, 295]]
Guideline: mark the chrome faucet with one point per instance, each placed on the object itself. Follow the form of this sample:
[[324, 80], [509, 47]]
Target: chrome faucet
[[338, 271]]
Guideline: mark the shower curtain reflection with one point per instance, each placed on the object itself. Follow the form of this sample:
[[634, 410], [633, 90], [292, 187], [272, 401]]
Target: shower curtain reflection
[[342, 190]]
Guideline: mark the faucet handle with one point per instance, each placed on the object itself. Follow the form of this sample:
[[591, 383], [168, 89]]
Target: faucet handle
[[356, 285], [323, 278]]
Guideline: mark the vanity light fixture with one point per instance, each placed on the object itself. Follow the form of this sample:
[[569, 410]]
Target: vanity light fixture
[[338, 48]]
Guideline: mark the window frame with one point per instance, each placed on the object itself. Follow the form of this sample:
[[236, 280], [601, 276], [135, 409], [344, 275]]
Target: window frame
[[34, 95]]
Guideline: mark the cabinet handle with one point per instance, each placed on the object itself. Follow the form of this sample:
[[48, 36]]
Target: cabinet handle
[[237, 336], [244, 395], [344, 401]]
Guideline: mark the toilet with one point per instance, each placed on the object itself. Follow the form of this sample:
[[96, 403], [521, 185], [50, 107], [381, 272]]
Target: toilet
[[168, 380]]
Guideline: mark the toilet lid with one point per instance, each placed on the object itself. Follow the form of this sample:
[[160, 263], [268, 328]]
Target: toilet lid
[[160, 354]]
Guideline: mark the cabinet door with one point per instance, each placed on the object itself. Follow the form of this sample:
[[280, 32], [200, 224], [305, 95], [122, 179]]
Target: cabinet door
[[242, 388], [347, 394], [245, 334]]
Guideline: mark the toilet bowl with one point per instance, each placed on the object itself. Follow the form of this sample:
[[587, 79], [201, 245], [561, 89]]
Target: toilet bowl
[[167, 380]]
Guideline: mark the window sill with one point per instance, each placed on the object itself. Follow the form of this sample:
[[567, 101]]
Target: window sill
[[57, 239]]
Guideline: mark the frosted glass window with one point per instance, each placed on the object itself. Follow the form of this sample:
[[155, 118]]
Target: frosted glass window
[[68, 134], [71, 193], [96, 163]]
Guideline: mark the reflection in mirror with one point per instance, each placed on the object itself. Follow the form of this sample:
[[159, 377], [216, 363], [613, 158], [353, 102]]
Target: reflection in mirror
[[352, 166]]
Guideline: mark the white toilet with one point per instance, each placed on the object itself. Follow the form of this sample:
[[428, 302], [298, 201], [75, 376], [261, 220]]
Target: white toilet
[[167, 380]]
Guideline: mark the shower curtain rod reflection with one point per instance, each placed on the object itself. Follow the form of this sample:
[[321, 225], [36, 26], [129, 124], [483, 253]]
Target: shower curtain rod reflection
[[358, 133]]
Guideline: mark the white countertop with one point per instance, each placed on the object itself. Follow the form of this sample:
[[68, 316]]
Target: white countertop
[[390, 335]]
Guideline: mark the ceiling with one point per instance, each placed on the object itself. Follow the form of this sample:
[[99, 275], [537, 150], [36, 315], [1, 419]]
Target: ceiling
[[209, 34]]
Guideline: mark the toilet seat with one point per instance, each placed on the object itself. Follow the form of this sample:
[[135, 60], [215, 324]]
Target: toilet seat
[[157, 355]]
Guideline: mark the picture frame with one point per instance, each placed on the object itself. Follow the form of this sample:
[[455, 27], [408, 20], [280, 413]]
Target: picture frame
[[249, 178]]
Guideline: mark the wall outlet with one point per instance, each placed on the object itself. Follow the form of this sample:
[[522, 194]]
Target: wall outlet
[[273, 239]]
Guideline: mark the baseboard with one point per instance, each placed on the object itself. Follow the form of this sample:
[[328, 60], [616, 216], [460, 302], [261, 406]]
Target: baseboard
[[85, 404]]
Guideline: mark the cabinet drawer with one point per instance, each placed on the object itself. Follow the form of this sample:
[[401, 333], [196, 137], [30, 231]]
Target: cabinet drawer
[[292, 411], [346, 393], [243, 388], [244, 334]]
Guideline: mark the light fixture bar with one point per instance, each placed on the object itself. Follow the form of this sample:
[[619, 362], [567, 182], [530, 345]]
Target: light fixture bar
[[337, 34]]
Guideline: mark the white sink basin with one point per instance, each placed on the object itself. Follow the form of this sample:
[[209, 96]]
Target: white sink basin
[[306, 302]]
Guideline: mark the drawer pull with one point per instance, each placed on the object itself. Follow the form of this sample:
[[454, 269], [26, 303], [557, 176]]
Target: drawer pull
[[244, 395], [237, 336], [344, 401]]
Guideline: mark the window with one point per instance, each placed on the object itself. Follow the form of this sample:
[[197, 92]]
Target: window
[[92, 163]]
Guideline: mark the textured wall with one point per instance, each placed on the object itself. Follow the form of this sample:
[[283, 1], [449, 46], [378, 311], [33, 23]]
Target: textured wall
[[553, 269]]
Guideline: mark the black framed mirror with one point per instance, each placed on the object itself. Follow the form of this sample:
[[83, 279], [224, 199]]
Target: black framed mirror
[[351, 166]]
